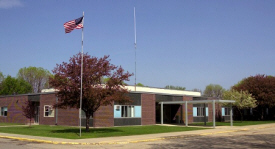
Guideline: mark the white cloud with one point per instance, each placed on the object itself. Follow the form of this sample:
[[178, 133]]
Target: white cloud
[[10, 3]]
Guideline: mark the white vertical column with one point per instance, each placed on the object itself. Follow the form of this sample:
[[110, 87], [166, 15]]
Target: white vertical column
[[181, 113], [231, 114], [161, 112], [56, 112], [204, 111], [214, 114], [186, 114]]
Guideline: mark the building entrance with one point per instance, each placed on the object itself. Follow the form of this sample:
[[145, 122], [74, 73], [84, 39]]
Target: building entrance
[[171, 114], [36, 116]]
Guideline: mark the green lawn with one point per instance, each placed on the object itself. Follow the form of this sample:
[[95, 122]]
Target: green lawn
[[235, 123], [9, 124], [73, 132]]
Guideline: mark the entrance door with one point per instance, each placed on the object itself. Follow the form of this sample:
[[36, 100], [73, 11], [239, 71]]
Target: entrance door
[[36, 117], [171, 113]]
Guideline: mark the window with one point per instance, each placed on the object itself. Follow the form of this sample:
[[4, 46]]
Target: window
[[225, 111], [48, 111], [127, 111], [4, 111], [199, 111]]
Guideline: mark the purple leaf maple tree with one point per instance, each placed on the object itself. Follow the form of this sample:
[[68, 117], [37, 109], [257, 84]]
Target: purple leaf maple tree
[[29, 110], [67, 81]]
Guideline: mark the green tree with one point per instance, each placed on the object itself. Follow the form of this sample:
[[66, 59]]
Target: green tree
[[196, 90], [36, 76], [12, 86], [213, 90], [140, 84], [67, 78], [105, 80], [242, 99], [262, 87], [174, 87], [1, 77]]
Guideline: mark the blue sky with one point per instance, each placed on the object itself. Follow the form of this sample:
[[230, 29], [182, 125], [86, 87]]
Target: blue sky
[[180, 43]]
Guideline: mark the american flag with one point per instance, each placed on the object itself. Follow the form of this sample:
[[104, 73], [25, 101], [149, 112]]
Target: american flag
[[71, 25]]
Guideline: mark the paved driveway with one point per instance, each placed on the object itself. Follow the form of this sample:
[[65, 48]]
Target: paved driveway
[[264, 138]]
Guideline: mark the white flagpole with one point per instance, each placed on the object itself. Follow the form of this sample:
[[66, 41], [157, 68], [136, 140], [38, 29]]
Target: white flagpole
[[80, 106], [135, 47]]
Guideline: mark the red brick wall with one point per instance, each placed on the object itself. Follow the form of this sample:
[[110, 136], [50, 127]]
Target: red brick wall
[[210, 112], [104, 117], [148, 106], [14, 105], [189, 109], [46, 99], [68, 116], [217, 111]]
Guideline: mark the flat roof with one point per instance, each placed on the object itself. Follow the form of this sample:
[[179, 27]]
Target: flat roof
[[197, 101], [163, 91], [151, 90], [29, 94]]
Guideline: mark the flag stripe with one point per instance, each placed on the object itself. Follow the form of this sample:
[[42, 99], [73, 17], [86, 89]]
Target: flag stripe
[[74, 24]]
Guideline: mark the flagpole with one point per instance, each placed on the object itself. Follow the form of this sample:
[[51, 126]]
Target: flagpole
[[80, 107], [135, 47]]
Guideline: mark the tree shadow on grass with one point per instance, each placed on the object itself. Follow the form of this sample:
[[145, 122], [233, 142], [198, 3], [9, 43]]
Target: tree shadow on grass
[[25, 127]]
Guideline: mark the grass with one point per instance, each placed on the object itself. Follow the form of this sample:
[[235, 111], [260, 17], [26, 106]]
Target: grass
[[73, 132], [235, 123], [9, 124]]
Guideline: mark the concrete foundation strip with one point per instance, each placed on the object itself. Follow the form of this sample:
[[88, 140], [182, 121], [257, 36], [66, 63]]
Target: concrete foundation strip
[[127, 142]]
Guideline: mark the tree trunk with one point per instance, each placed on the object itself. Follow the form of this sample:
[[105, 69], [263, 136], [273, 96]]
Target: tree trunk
[[87, 122], [30, 122]]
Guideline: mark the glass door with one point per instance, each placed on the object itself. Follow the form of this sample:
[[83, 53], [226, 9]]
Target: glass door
[[36, 117]]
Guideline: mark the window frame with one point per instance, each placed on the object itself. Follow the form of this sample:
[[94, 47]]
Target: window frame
[[226, 111], [50, 114], [200, 111], [127, 111], [4, 112]]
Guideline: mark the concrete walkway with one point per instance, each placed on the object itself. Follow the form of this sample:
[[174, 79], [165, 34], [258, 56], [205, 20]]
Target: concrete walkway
[[136, 138]]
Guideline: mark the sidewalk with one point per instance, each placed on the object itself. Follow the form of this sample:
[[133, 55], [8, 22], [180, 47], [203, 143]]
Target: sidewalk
[[136, 138]]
